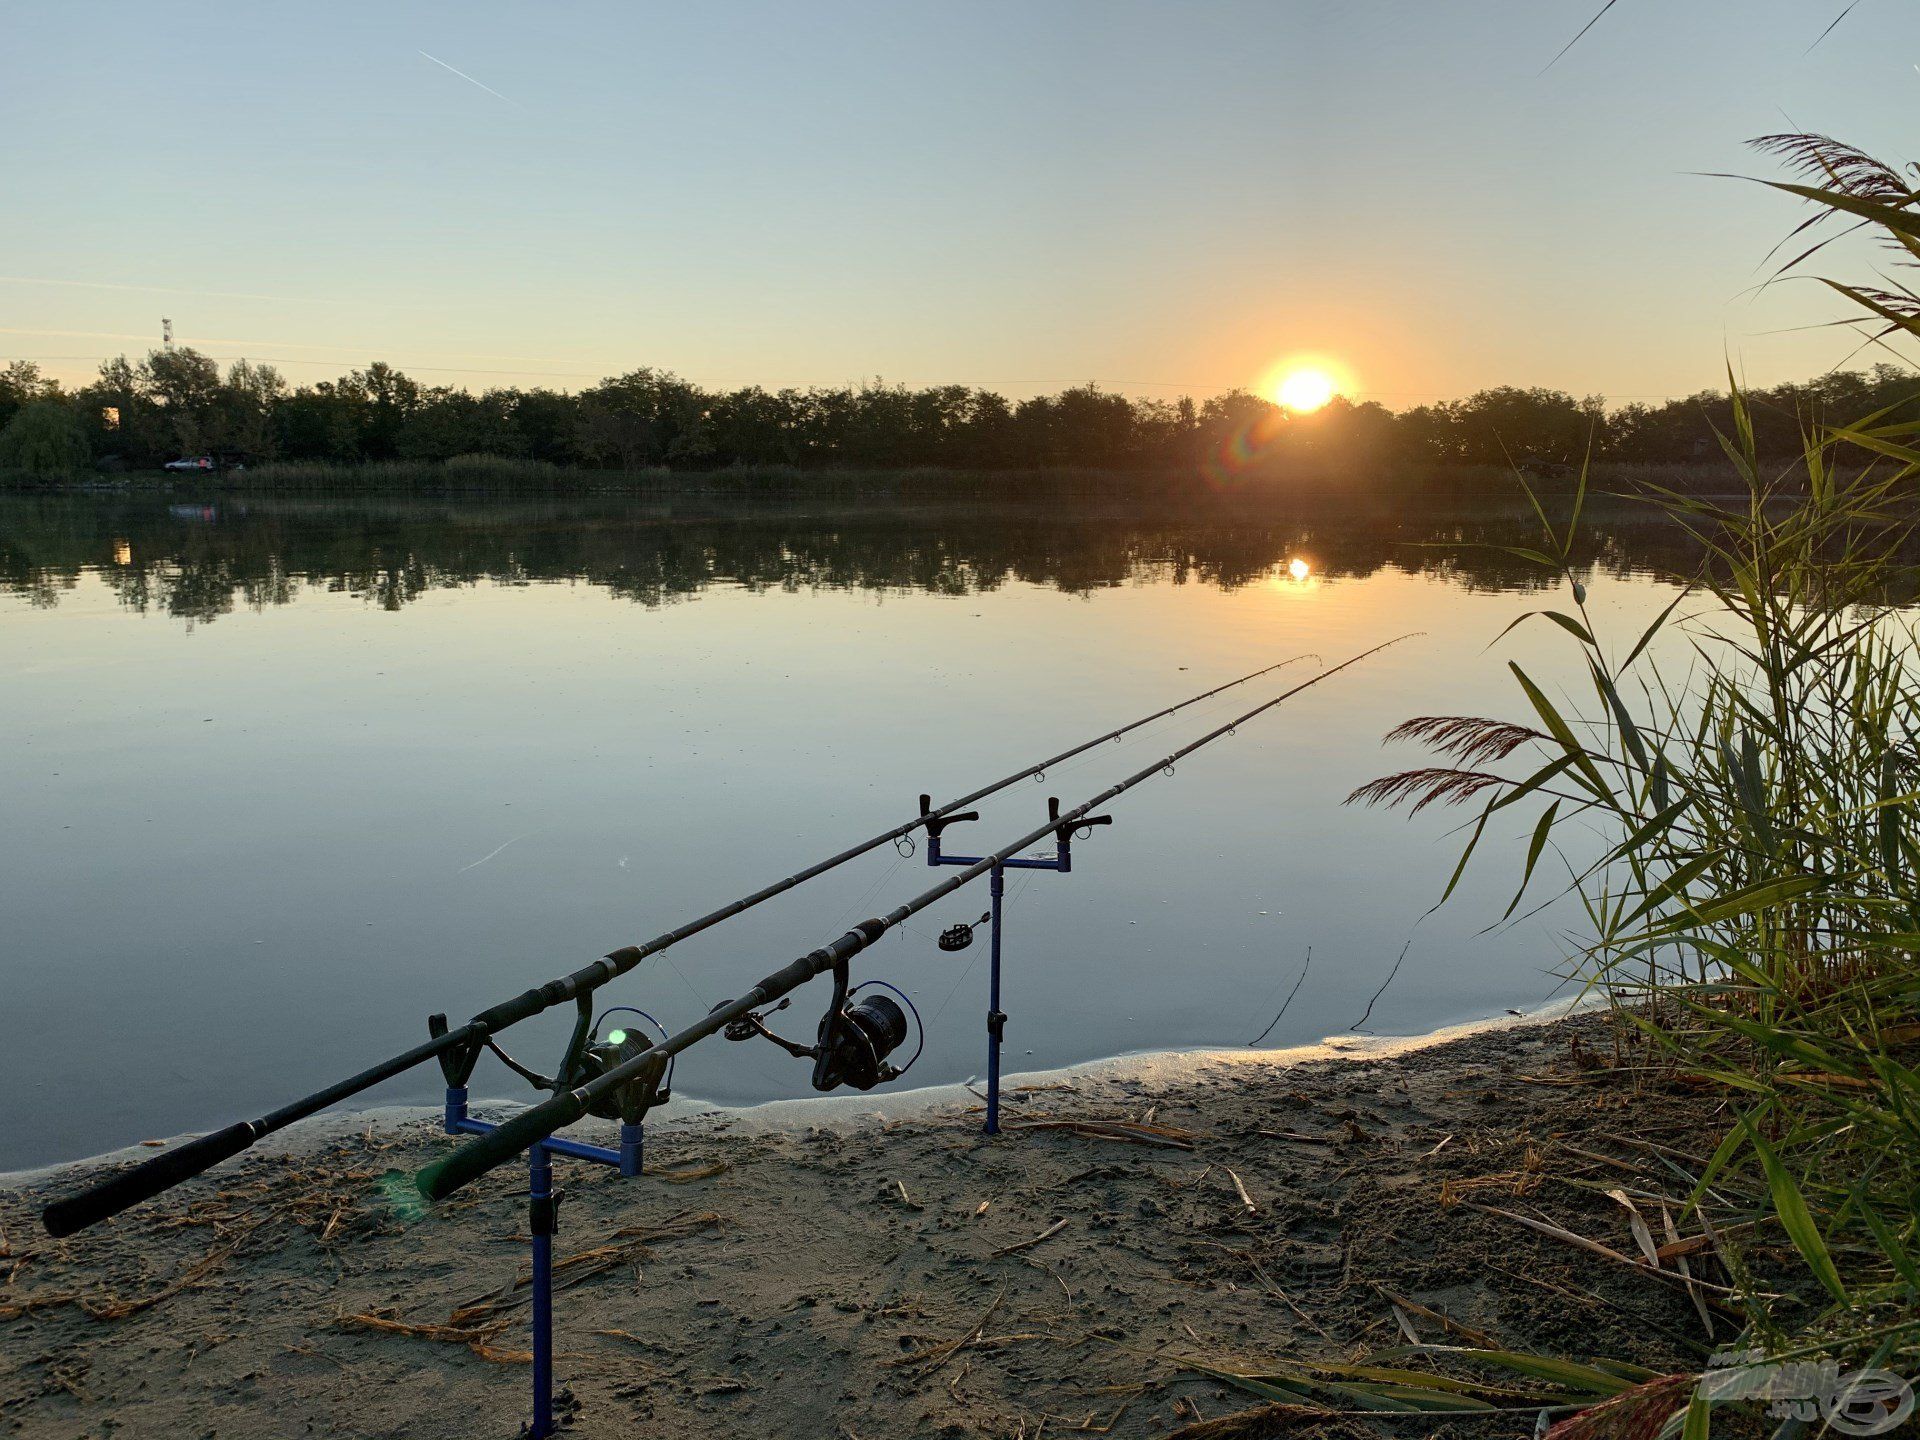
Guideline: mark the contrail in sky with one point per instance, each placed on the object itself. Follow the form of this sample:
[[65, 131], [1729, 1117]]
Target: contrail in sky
[[348, 350], [468, 78], [165, 290]]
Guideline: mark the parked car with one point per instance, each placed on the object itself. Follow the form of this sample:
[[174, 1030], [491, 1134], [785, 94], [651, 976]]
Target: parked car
[[206, 464]]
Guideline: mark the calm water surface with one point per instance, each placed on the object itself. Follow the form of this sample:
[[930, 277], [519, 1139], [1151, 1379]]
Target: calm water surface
[[283, 777]]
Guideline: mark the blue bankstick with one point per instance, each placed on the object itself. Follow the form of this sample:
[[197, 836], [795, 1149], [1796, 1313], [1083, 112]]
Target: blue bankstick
[[543, 1215], [1062, 862]]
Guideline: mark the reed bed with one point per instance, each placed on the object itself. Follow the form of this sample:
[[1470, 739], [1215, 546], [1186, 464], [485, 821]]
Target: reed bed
[[1752, 911]]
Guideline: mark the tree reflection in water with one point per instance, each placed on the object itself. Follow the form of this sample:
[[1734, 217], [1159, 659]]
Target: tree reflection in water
[[201, 562]]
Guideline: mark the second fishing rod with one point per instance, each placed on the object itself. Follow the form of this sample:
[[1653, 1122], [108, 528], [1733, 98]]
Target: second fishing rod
[[843, 1045], [459, 1047]]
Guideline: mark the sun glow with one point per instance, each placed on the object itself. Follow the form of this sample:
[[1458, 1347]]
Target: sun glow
[[1294, 576], [1305, 388]]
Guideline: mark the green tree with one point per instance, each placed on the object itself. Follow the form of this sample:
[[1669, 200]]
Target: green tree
[[120, 418], [445, 423], [21, 383], [547, 421], [244, 409], [186, 386], [44, 438], [378, 399], [645, 417]]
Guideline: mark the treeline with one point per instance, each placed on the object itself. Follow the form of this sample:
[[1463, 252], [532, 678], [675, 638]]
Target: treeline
[[173, 403]]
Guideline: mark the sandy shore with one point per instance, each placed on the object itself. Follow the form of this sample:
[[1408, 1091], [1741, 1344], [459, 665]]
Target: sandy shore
[[868, 1268]]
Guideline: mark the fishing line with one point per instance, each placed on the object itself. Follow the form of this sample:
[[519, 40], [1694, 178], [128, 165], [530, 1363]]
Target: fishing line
[[1026, 879], [968, 970], [1161, 727], [859, 901], [1300, 980], [1026, 876], [1383, 987]]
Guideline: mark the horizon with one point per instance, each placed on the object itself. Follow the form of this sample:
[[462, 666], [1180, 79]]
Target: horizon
[[929, 197], [1867, 371]]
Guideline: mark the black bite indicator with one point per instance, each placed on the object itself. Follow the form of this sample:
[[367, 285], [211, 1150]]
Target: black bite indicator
[[959, 937]]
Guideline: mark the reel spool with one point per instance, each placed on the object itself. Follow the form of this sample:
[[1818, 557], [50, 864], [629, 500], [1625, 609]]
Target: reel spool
[[855, 1036], [856, 1041], [620, 1046]]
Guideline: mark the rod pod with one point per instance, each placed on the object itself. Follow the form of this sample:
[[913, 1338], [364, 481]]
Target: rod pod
[[444, 1176], [162, 1172]]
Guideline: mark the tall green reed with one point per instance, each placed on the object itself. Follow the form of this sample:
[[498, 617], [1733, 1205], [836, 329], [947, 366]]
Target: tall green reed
[[1751, 902], [1751, 761]]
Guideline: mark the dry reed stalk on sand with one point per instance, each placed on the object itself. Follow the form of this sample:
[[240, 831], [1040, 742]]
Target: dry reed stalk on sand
[[938, 1355], [690, 1174], [1131, 1132], [584, 1265], [1581, 1242], [1261, 1421], [1447, 1323], [111, 1307], [478, 1339], [1046, 1234]]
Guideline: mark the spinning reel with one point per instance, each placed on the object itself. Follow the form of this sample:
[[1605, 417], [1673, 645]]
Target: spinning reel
[[636, 1097], [855, 1036], [587, 1058]]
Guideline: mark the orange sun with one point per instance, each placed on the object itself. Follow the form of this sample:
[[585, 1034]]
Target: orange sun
[[1305, 388]]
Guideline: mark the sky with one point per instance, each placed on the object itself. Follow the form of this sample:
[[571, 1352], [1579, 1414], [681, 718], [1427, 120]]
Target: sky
[[1162, 198]]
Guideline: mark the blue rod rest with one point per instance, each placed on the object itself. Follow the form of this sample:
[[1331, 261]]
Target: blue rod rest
[[543, 1213], [543, 1205], [1062, 862]]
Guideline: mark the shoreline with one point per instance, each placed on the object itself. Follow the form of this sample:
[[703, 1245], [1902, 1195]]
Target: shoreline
[[840, 1112], [841, 1269], [1339, 482]]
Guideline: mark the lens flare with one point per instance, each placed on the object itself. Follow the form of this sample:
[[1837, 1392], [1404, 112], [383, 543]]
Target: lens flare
[[403, 1200], [1257, 425], [1299, 569], [616, 1037]]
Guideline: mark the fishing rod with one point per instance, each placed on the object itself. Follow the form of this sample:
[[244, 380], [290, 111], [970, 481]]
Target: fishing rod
[[458, 1049], [850, 1050]]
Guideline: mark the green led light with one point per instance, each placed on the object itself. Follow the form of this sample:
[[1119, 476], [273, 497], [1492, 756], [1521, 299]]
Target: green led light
[[617, 1037]]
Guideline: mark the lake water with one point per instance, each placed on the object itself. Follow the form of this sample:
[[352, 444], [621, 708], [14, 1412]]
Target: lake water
[[278, 778]]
